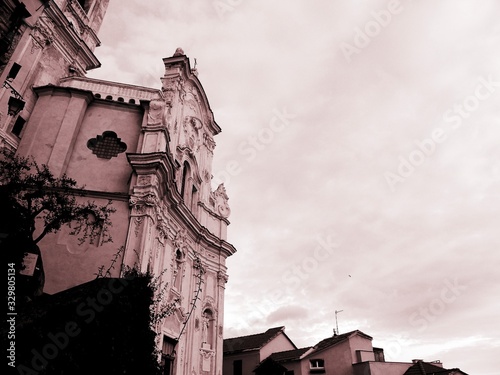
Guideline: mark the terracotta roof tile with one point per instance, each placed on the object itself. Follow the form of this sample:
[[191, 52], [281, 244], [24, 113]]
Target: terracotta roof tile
[[251, 342], [289, 355]]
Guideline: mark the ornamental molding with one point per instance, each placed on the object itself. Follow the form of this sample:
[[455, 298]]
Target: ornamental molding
[[219, 201], [145, 180], [199, 265], [208, 142], [42, 34], [74, 8], [149, 199], [221, 331], [192, 131], [209, 303], [222, 278], [207, 353], [173, 85], [75, 22], [180, 240], [207, 176], [193, 90], [162, 228], [142, 206], [54, 27]]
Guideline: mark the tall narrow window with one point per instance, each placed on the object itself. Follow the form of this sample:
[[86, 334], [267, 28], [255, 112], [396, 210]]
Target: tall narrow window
[[185, 177], [194, 199], [168, 355], [238, 367], [18, 126]]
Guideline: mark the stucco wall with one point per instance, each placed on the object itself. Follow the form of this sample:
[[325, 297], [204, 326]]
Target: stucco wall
[[249, 362], [295, 367], [359, 343], [67, 264], [338, 359], [58, 137], [110, 175], [381, 368], [278, 344]]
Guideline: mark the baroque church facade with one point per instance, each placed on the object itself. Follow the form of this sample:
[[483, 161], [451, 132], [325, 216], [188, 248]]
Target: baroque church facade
[[147, 150]]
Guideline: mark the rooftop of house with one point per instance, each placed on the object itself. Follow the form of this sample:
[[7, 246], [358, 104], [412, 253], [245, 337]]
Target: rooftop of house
[[289, 355], [251, 342], [336, 339], [426, 368]]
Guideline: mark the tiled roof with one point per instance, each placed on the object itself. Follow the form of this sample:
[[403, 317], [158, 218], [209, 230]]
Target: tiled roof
[[334, 340], [425, 368], [288, 355], [251, 342]]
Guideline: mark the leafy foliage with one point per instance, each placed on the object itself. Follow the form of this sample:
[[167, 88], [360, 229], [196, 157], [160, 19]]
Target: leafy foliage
[[160, 306], [198, 266], [39, 197], [110, 332], [34, 203]]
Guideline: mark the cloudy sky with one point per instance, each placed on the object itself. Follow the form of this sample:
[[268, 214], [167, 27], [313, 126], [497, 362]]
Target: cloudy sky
[[361, 154]]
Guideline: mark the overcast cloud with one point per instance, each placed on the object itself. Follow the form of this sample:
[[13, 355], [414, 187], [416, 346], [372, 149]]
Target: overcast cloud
[[360, 151]]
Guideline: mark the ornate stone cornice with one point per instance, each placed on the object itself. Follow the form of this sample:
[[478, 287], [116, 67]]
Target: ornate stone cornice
[[222, 278], [143, 206], [42, 35], [68, 40], [162, 166], [182, 74]]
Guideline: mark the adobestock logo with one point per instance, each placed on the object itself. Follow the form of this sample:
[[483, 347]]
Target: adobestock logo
[[363, 36], [224, 6], [426, 314], [323, 249], [251, 147], [455, 116], [437, 306], [471, 103]]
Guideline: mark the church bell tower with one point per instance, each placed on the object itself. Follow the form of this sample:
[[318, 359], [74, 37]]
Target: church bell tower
[[43, 41]]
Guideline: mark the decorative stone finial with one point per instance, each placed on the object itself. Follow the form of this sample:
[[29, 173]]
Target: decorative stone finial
[[220, 201], [194, 70], [179, 52]]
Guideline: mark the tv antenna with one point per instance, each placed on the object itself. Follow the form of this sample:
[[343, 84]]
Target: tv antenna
[[337, 321]]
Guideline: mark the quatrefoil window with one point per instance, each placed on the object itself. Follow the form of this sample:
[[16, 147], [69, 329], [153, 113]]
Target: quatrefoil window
[[106, 145]]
